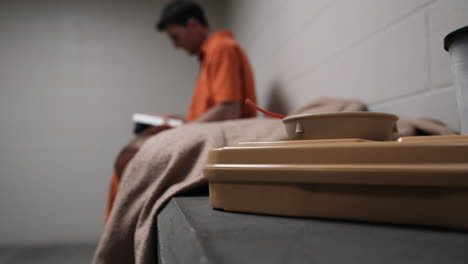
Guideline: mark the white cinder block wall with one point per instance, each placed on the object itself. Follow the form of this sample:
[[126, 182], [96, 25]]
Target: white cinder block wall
[[388, 53], [72, 72]]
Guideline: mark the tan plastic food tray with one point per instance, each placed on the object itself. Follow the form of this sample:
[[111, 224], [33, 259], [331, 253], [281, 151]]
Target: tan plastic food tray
[[421, 180]]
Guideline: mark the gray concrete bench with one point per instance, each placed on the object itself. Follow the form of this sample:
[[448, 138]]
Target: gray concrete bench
[[190, 231]]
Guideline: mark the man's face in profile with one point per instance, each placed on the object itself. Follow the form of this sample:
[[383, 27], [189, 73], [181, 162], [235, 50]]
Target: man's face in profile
[[183, 37]]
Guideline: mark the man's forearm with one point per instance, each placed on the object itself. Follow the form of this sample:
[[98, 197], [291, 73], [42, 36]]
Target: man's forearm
[[220, 112]]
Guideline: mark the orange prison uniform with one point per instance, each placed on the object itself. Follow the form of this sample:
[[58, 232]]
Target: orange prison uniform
[[225, 76]]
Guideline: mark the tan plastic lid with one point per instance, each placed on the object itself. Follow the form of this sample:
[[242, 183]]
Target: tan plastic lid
[[340, 125]]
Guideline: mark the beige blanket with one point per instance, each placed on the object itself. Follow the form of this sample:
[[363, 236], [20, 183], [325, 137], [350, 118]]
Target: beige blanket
[[172, 162]]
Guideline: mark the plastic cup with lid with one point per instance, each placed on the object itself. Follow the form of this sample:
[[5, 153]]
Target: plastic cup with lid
[[456, 43]]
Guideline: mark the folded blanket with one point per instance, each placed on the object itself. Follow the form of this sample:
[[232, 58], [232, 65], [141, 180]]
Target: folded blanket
[[172, 162]]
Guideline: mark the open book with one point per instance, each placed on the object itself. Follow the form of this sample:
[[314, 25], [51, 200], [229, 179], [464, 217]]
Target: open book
[[144, 121]]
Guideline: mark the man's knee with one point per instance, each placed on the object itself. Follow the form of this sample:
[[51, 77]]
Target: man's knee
[[129, 151]]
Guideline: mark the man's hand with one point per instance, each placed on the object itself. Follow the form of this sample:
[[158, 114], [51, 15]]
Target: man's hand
[[220, 112]]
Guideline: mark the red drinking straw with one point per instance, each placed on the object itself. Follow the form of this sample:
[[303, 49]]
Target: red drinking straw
[[249, 102]]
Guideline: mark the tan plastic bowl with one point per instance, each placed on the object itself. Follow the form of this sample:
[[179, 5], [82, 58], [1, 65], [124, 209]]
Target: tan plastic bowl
[[364, 125]]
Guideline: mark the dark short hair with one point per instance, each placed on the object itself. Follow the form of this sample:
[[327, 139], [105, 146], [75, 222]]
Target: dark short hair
[[178, 12]]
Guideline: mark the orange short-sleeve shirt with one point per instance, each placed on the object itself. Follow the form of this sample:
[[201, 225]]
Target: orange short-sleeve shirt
[[225, 76]]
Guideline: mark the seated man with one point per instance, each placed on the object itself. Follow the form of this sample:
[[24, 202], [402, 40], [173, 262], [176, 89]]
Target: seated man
[[224, 82]]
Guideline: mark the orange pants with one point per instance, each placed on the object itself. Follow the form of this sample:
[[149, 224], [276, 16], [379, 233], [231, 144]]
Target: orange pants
[[114, 188]]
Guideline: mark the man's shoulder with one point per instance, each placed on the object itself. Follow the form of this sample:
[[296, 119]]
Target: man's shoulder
[[222, 40]]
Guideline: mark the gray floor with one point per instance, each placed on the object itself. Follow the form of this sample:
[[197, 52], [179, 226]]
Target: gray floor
[[66, 254]]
